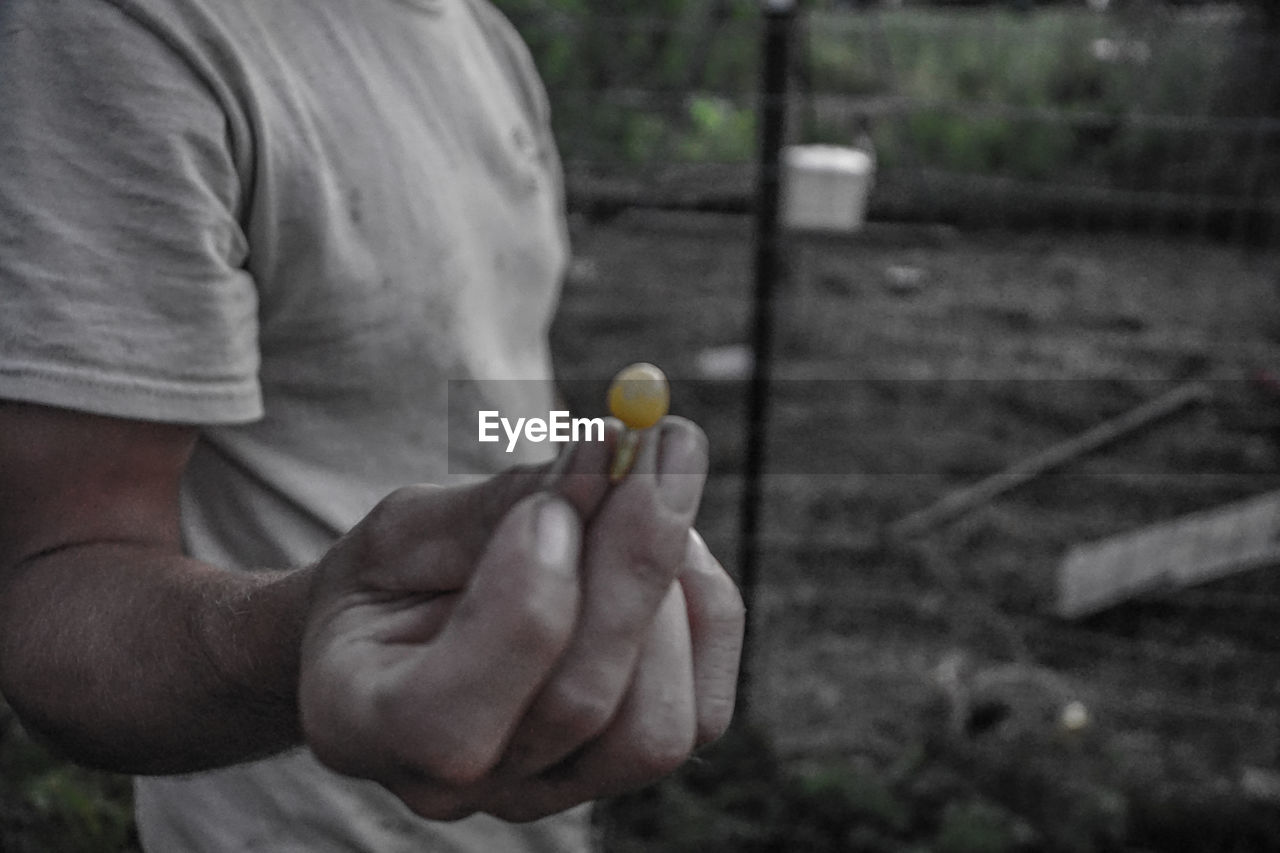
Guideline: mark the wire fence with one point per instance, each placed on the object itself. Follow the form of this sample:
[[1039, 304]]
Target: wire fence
[[1071, 216], [1073, 213], [1161, 120]]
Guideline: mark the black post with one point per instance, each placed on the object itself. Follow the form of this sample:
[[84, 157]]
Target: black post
[[769, 267]]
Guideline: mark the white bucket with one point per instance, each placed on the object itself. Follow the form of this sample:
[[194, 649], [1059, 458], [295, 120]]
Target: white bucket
[[825, 187]]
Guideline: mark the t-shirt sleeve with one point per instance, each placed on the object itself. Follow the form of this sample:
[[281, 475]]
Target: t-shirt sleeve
[[122, 281]]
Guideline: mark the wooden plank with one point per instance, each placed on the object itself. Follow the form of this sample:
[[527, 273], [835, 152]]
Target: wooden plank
[[960, 502], [1193, 549]]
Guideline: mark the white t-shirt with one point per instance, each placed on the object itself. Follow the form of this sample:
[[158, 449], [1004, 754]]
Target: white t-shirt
[[290, 222]]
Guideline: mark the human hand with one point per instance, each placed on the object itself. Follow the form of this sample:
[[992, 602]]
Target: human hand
[[525, 644]]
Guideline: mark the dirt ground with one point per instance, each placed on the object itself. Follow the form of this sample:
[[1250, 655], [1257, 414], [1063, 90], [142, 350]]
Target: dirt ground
[[913, 361]]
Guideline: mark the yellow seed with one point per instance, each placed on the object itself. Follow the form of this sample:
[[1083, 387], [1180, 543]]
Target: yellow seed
[[639, 396]]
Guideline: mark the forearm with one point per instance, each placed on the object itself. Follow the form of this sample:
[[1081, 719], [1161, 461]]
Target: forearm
[[135, 660]]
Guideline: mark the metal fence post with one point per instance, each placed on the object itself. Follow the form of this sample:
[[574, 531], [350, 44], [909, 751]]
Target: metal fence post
[[769, 267]]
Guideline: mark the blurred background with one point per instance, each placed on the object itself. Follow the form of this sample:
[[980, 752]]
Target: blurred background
[[1019, 532]]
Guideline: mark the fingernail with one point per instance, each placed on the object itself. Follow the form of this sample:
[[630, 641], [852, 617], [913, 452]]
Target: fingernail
[[699, 557], [554, 535], [682, 464]]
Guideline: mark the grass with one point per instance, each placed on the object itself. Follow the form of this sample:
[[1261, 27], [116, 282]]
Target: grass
[[1056, 97], [1058, 93]]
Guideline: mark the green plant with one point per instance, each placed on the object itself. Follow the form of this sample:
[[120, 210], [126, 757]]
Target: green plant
[[84, 811], [718, 131], [47, 804]]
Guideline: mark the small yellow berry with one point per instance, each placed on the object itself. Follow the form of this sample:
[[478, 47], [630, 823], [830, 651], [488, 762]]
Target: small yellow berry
[[639, 396]]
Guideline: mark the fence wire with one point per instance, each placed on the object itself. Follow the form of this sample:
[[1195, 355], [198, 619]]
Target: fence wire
[[1072, 213], [1161, 120], [914, 362]]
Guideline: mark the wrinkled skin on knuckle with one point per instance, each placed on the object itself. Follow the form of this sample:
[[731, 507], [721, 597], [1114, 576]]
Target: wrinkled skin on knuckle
[[716, 707], [651, 553], [629, 618], [545, 610], [463, 767], [382, 533], [621, 626], [725, 611], [722, 615], [448, 756], [576, 712], [540, 640], [398, 504], [656, 555], [436, 743], [662, 740], [375, 715], [663, 755], [715, 714], [653, 568]]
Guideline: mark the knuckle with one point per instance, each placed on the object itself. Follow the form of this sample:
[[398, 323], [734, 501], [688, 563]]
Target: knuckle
[[651, 536], [714, 719], [725, 608], [712, 596], [663, 754], [398, 503], [544, 624], [382, 529], [577, 712], [675, 743], [456, 760], [462, 767], [435, 747], [628, 620], [663, 742], [623, 627], [653, 569]]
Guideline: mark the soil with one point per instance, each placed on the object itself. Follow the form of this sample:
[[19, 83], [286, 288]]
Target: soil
[[910, 362]]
